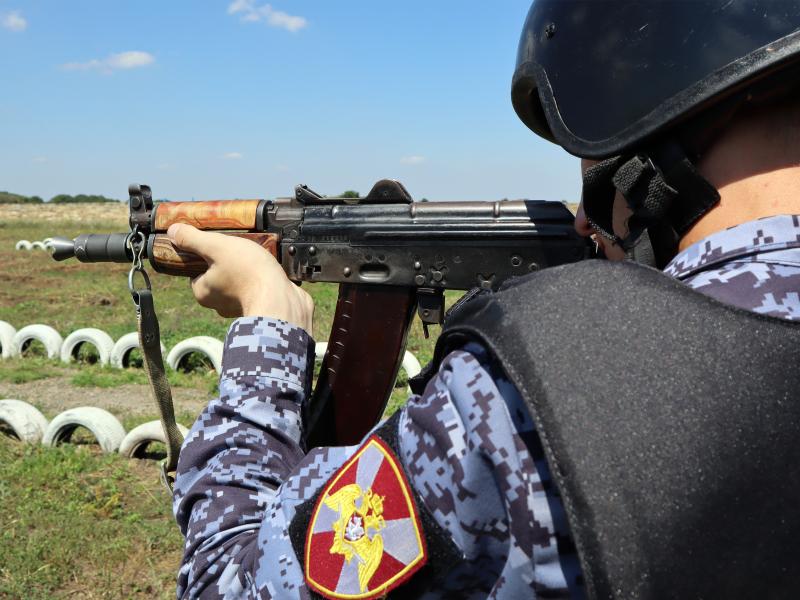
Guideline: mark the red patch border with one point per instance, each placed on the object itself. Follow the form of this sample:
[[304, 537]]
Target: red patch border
[[411, 568]]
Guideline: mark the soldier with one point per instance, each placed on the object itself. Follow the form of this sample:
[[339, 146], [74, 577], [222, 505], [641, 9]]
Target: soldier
[[599, 429]]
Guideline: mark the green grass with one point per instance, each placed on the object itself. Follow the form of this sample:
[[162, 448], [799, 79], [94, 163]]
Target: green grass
[[130, 421], [111, 377], [78, 523], [26, 369], [71, 295], [107, 377], [23, 370]]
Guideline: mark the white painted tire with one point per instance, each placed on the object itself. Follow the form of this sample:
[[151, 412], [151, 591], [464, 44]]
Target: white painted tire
[[23, 245], [104, 426], [96, 337], [27, 423], [45, 334], [46, 241], [140, 436], [120, 353], [410, 363], [38, 246], [206, 345], [7, 333]]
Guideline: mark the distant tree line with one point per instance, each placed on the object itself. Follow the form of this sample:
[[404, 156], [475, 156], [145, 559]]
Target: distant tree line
[[67, 199], [9, 198]]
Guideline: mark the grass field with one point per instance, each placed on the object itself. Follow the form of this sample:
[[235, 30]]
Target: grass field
[[75, 523]]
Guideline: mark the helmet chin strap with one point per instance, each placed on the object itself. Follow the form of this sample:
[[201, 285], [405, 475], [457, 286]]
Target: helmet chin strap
[[665, 193]]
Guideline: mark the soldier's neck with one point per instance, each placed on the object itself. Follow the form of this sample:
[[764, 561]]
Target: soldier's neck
[[756, 169]]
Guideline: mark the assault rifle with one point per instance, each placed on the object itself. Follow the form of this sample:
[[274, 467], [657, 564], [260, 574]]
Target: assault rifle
[[389, 255]]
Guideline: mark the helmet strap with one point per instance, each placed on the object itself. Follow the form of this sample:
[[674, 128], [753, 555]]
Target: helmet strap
[[664, 191]]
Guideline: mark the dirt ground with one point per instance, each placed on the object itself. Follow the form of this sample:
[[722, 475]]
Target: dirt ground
[[56, 394]]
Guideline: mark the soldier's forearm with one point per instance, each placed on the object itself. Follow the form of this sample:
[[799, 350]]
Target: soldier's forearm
[[244, 444]]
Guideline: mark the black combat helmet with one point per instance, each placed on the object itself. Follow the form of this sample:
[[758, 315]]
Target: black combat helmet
[[599, 76], [645, 85]]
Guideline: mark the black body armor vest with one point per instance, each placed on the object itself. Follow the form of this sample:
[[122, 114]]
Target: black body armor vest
[[671, 423]]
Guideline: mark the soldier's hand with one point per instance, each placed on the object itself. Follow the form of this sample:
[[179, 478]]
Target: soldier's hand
[[243, 279]]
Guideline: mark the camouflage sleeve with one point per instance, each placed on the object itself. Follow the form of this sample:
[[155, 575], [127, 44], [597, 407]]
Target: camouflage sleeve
[[241, 448], [243, 479]]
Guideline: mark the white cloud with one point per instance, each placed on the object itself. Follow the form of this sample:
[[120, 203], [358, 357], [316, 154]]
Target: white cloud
[[14, 21], [233, 156], [40, 159], [291, 23], [132, 59], [412, 160], [165, 167], [281, 168], [250, 12]]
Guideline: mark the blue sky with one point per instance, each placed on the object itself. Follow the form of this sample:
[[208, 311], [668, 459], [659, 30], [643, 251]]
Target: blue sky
[[240, 98]]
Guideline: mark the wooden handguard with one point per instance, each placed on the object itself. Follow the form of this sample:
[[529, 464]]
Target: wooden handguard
[[209, 215], [167, 259]]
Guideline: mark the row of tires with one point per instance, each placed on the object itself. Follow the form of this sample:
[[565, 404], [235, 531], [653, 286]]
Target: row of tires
[[117, 354], [26, 245], [30, 425]]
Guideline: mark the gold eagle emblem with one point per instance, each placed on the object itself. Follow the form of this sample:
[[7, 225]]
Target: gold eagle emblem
[[356, 531]]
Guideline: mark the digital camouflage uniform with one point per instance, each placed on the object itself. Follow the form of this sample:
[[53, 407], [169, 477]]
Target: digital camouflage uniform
[[467, 446], [754, 265]]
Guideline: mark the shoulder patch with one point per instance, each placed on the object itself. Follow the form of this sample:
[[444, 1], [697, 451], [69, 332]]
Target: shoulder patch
[[364, 537]]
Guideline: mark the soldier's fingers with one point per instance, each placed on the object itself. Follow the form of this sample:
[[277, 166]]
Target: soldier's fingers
[[201, 291]]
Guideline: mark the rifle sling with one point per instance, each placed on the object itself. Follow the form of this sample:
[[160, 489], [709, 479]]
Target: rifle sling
[[150, 342]]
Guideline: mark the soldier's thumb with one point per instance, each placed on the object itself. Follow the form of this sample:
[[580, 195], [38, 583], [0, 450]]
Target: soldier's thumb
[[189, 238]]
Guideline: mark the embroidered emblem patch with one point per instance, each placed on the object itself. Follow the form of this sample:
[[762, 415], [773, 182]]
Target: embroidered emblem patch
[[365, 536]]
